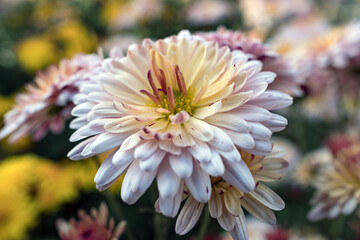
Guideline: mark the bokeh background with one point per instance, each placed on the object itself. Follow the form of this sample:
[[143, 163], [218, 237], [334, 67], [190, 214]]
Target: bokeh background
[[40, 185]]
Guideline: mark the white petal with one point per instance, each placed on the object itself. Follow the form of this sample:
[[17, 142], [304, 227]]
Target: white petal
[[267, 197], [226, 220], [215, 166], [104, 142], [75, 153], [199, 184], [239, 175], [221, 141], [131, 141], [78, 122], [276, 123], [230, 121], [146, 149], [258, 210], [242, 140], [199, 129], [92, 128], [167, 181], [272, 100], [182, 164], [82, 109], [259, 131], [240, 231], [153, 161], [215, 205], [200, 151], [232, 156], [109, 173], [170, 206], [261, 148], [140, 180], [169, 147], [122, 157], [206, 111], [127, 195], [252, 113], [189, 215]]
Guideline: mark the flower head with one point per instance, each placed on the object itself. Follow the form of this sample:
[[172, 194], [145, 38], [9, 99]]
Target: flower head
[[177, 109], [226, 201], [287, 79], [48, 101], [96, 226], [338, 185]]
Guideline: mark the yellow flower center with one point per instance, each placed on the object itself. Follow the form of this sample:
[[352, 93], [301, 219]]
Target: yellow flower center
[[181, 103]]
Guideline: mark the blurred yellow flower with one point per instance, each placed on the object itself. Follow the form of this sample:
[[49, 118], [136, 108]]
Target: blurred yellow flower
[[36, 52], [112, 9], [17, 214], [64, 40], [72, 37], [47, 184]]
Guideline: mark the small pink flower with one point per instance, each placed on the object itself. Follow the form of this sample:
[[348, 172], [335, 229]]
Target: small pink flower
[[94, 227], [48, 102]]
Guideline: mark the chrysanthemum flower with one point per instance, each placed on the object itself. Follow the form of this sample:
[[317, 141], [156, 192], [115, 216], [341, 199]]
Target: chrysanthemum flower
[[310, 165], [96, 226], [226, 201], [338, 188], [329, 61], [287, 79], [177, 109], [48, 101]]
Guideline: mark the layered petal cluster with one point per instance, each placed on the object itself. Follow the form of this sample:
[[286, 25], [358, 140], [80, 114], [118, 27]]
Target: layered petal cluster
[[226, 201], [96, 226], [48, 102], [287, 78], [330, 61], [176, 110], [338, 186]]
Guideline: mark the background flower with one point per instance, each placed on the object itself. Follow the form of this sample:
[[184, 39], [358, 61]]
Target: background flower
[[47, 103], [95, 226]]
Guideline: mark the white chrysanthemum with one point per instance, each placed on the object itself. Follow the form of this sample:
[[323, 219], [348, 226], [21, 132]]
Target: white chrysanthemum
[[177, 109], [226, 201]]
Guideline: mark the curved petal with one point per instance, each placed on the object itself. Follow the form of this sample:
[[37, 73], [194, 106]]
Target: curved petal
[[189, 215], [199, 184]]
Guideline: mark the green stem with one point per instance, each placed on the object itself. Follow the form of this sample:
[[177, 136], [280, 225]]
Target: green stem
[[161, 226], [115, 208], [204, 224]]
